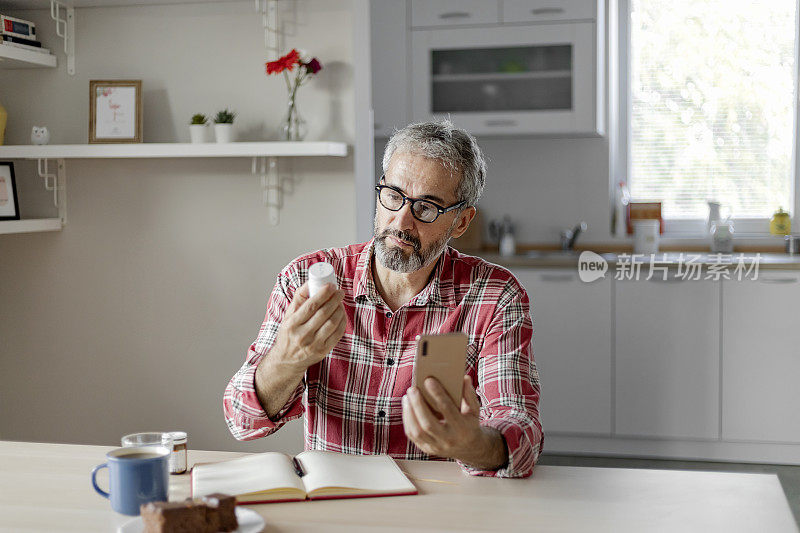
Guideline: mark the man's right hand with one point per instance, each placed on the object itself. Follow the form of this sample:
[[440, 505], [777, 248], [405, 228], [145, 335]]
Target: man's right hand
[[310, 329]]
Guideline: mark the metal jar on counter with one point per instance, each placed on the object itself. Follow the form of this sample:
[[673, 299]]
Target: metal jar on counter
[[792, 244]]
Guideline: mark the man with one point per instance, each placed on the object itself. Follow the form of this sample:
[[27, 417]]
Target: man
[[345, 356]]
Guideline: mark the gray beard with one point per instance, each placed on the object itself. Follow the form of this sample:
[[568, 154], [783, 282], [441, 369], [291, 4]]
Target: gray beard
[[394, 258]]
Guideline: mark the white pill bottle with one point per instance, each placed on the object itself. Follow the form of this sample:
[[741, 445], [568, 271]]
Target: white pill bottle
[[318, 275]]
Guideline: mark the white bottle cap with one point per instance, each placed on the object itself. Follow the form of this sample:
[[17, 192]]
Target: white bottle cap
[[318, 275]]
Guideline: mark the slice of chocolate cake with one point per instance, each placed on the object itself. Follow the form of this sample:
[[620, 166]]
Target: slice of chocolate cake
[[225, 507], [173, 517]]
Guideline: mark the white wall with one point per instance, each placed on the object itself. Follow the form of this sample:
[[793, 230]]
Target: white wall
[[135, 316], [544, 185]]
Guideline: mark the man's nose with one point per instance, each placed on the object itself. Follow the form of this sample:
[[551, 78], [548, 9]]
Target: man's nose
[[404, 217]]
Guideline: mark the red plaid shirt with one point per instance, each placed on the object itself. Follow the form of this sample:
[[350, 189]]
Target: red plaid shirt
[[352, 399]]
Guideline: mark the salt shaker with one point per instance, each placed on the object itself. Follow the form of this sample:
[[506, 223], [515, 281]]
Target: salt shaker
[[318, 275]]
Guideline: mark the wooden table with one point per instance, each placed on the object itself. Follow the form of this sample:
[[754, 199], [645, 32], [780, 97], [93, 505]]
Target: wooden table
[[46, 487]]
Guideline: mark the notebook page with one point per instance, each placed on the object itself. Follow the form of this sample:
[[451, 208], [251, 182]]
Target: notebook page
[[253, 473], [374, 473]]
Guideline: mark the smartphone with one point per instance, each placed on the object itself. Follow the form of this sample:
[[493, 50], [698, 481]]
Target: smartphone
[[443, 357]]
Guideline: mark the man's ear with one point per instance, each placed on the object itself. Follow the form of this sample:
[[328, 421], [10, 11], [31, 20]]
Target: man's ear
[[463, 221]]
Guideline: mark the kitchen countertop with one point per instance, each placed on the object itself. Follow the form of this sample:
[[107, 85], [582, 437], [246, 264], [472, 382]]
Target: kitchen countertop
[[556, 259]]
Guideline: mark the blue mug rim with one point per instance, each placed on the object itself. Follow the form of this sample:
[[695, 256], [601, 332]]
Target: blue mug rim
[[118, 454]]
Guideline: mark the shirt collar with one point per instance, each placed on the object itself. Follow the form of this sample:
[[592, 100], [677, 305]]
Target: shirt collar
[[364, 284], [439, 290]]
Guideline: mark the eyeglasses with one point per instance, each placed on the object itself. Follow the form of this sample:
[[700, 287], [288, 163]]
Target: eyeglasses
[[423, 210]]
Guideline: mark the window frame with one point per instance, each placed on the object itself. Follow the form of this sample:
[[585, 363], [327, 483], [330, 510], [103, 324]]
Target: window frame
[[621, 154]]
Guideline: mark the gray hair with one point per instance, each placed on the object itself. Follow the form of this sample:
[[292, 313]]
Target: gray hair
[[455, 148]]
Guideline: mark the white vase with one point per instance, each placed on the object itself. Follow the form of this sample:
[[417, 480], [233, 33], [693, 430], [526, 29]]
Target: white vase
[[223, 132], [197, 132]]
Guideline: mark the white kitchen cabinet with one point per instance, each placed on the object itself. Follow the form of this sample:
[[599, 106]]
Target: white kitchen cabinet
[[572, 348], [761, 358], [667, 358], [452, 12], [507, 80], [549, 10], [390, 98]]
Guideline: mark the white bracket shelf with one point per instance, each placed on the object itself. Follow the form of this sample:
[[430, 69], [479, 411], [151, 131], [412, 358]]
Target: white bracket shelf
[[271, 23], [55, 183], [57, 186], [64, 16], [173, 150]]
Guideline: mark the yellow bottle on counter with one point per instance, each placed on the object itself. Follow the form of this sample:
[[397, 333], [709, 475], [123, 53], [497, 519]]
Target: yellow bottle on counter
[[781, 223]]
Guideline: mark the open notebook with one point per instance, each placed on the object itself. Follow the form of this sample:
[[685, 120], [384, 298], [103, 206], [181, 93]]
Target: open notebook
[[271, 477]]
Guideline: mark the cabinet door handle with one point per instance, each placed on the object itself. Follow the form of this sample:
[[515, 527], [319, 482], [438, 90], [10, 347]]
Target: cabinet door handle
[[454, 15], [669, 279], [557, 277], [501, 122], [547, 10], [778, 280]]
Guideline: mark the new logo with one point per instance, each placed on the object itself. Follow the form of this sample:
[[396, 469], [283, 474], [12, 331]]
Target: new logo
[[591, 267]]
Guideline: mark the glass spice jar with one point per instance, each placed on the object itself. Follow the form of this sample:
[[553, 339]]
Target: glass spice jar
[[177, 459]]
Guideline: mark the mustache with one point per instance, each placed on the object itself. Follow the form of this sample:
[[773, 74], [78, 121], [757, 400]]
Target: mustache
[[402, 235]]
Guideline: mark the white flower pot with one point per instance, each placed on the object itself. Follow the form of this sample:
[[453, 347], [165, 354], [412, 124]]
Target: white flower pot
[[223, 132], [197, 132]]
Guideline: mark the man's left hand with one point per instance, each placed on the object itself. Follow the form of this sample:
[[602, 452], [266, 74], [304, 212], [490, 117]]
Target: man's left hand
[[455, 433]]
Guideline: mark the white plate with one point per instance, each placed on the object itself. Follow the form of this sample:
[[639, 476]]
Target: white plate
[[249, 522]]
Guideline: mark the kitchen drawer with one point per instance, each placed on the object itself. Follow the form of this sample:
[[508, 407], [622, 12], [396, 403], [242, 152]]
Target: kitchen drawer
[[547, 10], [453, 12]]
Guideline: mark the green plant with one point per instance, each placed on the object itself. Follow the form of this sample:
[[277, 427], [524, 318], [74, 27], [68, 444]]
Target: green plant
[[225, 117], [199, 118]]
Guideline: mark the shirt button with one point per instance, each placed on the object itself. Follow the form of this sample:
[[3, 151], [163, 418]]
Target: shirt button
[[390, 361], [388, 314], [381, 413]]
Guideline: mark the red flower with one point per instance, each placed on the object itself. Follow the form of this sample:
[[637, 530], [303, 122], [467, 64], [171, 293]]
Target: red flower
[[313, 66], [287, 62]]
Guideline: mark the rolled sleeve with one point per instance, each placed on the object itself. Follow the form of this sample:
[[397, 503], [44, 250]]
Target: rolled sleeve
[[508, 387], [244, 414]]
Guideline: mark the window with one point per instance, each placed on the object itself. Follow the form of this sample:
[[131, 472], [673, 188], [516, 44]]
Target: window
[[711, 107]]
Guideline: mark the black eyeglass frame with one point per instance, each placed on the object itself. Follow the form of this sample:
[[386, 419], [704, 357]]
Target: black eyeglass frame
[[439, 209]]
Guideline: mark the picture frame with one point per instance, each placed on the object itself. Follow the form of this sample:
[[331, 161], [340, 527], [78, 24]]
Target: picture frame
[[9, 203], [115, 111]]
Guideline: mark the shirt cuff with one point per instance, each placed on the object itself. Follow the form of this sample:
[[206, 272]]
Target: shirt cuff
[[252, 419], [521, 455]]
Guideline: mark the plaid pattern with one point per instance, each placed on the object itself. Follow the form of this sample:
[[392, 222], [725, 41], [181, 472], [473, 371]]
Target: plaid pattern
[[352, 399]]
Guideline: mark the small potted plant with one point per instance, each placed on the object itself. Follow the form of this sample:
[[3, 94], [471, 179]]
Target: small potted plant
[[197, 128], [223, 125]]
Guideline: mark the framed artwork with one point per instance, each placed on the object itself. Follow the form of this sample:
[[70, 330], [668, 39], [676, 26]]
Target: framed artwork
[[115, 111], [9, 205]]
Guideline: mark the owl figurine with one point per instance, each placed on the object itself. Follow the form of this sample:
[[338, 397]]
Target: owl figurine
[[40, 135]]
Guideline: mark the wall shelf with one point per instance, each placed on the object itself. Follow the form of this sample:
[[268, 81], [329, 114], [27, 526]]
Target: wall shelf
[[30, 225], [180, 150], [12, 57], [45, 4]]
